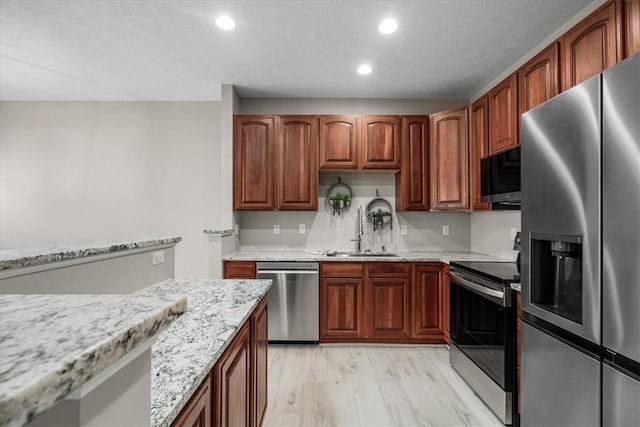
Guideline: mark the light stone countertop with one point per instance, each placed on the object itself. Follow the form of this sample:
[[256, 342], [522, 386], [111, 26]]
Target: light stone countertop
[[29, 257], [316, 256], [50, 345], [186, 352]]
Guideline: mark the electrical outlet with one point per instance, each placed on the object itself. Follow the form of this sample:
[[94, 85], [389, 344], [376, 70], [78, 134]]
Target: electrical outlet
[[276, 229], [302, 228], [157, 258], [513, 232], [445, 230], [403, 230]]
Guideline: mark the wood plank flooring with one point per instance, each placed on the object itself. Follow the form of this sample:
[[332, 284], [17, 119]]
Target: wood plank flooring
[[369, 386]]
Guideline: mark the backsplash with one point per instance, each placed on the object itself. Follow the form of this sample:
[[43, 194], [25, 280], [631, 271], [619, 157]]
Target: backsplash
[[491, 233], [327, 231]]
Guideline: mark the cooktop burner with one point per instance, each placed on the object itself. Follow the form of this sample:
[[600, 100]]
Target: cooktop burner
[[500, 272]]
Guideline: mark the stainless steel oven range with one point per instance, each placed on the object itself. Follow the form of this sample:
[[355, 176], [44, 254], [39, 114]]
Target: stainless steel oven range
[[483, 331]]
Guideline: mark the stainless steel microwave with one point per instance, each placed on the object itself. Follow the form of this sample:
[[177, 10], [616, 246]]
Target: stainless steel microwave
[[500, 177]]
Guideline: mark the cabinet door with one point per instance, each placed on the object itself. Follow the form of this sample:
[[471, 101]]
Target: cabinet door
[[340, 308], [412, 182], [197, 412], [632, 27], [388, 306], [259, 330], [449, 160], [538, 79], [429, 302], [479, 148], [380, 143], [338, 140], [233, 383], [297, 163], [253, 163], [239, 269], [591, 46], [503, 115]]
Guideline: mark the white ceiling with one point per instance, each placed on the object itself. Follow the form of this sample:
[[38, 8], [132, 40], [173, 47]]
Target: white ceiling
[[171, 50]]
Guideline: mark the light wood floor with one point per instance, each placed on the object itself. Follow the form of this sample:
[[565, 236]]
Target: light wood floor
[[369, 386]]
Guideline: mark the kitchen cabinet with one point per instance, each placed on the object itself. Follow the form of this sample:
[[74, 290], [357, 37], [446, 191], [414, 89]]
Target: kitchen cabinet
[[632, 27], [338, 142], [412, 182], [341, 304], [430, 302], [478, 148], [297, 163], [254, 163], [538, 79], [502, 102], [592, 45], [259, 337], [387, 300], [449, 160], [197, 412], [239, 269], [380, 143], [233, 383]]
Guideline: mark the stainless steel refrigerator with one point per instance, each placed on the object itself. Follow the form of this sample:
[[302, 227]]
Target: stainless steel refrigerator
[[581, 254]]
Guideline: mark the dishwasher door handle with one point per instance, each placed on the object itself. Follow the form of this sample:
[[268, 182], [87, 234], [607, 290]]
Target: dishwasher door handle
[[287, 272]]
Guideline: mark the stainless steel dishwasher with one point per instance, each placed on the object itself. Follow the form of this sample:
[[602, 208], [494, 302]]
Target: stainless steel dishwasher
[[293, 301]]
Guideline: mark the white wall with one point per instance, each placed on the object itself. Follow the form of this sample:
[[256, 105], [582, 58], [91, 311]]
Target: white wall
[[491, 233], [83, 171]]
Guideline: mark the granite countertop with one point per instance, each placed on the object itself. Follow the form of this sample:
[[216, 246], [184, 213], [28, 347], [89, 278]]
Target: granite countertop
[[318, 256], [53, 344], [186, 352], [28, 257]]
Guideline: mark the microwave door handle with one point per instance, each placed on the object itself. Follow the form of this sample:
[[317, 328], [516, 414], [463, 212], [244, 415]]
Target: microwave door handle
[[490, 294]]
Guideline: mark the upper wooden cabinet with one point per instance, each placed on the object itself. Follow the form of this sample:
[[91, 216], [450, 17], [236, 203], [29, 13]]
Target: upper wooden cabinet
[[502, 104], [338, 142], [478, 148], [412, 182], [538, 79], [632, 27], [254, 163], [297, 163], [592, 46], [380, 146], [449, 150]]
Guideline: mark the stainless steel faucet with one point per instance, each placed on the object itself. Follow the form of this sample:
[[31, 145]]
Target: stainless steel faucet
[[359, 231]]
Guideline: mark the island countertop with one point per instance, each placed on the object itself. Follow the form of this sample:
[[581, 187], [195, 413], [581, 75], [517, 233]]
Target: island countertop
[[188, 349], [50, 345]]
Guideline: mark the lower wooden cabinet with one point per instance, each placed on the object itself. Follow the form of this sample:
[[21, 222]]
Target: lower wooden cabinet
[[239, 269], [259, 341], [388, 303], [341, 304], [430, 302], [197, 413]]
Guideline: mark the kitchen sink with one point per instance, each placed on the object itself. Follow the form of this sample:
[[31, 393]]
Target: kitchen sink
[[363, 254]]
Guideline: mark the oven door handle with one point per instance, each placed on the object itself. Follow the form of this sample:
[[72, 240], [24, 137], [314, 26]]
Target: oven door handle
[[488, 293]]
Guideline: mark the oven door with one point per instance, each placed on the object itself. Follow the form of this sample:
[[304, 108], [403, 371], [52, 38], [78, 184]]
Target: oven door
[[482, 327]]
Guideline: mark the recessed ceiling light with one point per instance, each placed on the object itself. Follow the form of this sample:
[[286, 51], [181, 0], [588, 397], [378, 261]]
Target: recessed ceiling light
[[225, 22], [365, 69], [388, 26]]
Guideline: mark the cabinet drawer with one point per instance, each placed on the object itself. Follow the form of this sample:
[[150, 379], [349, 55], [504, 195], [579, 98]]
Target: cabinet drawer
[[239, 270], [342, 269], [389, 269]]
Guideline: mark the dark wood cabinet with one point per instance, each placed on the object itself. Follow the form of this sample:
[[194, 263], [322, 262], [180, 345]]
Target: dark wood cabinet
[[239, 269], [297, 163], [430, 306], [538, 79], [341, 303], [380, 143], [631, 27], [338, 142], [233, 383], [478, 148], [449, 160], [388, 303], [197, 412], [502, 102], [254, 163], [259, 341], [592, 46], [412, 182]]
